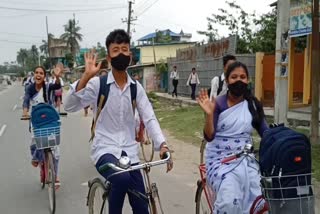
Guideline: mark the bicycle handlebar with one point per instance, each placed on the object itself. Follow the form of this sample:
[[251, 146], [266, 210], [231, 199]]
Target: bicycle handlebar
[[29, 117], [247, 150], [116, 168], [231, 158]]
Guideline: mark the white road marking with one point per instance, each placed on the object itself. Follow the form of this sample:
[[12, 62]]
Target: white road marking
[[84, 184], [14, 107], [3, 128]]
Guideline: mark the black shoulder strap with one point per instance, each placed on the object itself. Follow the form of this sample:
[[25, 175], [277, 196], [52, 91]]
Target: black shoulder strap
[[133, 92], [220, 85], [104, 90], [101, 101], [103, 97]]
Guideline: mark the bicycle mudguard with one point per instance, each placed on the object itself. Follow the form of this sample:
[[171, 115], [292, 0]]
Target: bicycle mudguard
[[97, 180]]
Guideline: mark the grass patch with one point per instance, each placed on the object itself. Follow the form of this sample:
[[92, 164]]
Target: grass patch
[[187, 124], [184, 123]]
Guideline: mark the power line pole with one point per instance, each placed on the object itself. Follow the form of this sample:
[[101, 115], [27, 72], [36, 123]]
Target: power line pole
[[281, 69], [48, 41], [130, 19], [315, 72]]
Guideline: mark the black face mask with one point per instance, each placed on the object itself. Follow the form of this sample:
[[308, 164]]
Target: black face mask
[[120, 62], [238, 88]]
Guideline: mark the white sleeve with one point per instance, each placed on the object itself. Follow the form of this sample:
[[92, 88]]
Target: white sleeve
[[171, 75], [149, 118], [75, 101], [214, 87], [189, 79]]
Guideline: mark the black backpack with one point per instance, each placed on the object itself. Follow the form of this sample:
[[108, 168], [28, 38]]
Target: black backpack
[[103, 97], [284, 152], [219, 88]]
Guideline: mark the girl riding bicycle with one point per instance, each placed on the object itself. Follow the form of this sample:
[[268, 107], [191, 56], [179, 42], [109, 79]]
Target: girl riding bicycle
[[39, 92], [230, 120]]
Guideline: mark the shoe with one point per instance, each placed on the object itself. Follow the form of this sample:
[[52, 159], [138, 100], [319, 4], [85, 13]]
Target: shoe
[[57, 184], [34, 163]]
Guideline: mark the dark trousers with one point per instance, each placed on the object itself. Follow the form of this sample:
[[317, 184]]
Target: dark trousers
[[175, 85], [120, 185], [193, 93]]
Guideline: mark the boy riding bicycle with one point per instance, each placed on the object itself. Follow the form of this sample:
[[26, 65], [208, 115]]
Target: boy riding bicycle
[[114, 131]]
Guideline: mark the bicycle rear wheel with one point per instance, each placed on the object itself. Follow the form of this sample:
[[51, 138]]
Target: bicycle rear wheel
[[51, 180], [97, 197], [202, 204]]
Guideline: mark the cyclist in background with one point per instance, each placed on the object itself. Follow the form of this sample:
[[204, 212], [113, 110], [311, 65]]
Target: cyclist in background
[[38, 92]]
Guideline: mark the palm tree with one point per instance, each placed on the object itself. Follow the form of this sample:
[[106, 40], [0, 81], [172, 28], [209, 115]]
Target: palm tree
[[72, 36], [34, 54], [44, 46], [22, 56]]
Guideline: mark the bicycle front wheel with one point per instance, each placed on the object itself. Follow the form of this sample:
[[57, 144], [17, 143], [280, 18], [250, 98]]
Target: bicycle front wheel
[[51, 180], [202, 200], [98, 198]]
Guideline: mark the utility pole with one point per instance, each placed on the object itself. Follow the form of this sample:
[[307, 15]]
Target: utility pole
[[315, 73], [281, 69], [48, 41], [130, 19]]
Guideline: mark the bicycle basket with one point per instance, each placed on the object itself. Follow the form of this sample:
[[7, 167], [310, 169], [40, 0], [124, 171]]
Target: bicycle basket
[[289, 194], [47, 137]]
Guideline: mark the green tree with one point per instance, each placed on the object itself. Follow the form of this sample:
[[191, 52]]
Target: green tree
[[253, 34], [22, 56], [34, 54], [102, 52], [162, 37], [72, 36]]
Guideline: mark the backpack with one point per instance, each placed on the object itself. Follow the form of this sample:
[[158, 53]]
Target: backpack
[[44, 116], [219, 88], [284, 152], [103, 97]]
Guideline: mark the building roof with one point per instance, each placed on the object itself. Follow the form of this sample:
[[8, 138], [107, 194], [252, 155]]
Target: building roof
[[153, 35], [163, 44]]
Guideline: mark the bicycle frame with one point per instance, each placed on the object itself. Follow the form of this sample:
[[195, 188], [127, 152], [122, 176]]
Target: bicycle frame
[[203, 182]]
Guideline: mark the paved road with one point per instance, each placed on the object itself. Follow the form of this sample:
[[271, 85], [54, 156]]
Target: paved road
[[20, 190]]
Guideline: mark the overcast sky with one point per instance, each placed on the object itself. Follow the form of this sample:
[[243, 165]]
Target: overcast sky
[[26, 26]]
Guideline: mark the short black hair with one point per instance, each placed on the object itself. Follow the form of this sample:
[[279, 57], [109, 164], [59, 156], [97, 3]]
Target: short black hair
[[117, 36], [228, 57], [193, 68], [235, 65]]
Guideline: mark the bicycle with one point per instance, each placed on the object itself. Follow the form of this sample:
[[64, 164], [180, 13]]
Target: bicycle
[[99, 190], [304, 202], [46, 139]]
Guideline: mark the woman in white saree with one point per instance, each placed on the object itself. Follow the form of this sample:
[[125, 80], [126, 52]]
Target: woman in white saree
[[230, 120]]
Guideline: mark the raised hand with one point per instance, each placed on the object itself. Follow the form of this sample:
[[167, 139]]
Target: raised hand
[[90, 64], [205, 103]]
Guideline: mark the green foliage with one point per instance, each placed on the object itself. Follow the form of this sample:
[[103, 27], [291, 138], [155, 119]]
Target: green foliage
[[162, 38], [72, 36], [11, 68], [102, 52], [162, 67], [253, 33], [69, 59]]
